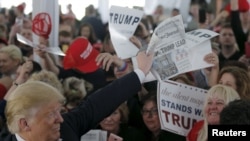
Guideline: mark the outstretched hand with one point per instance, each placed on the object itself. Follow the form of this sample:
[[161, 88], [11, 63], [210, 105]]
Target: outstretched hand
[[40, 51], [27, 67], [212, 58], [106, 60], [145, 61], [24, 71]]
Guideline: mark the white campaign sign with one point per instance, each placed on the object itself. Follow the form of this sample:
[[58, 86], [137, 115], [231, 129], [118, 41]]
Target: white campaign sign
[[50, 7], [179, 106], [122, 24]]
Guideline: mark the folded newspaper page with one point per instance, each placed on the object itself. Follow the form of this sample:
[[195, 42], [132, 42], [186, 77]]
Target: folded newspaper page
[[52, 50], [95, 135], [178, 52]]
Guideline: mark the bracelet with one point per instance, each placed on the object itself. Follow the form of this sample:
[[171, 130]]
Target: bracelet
[[15, 83], [123, 67]]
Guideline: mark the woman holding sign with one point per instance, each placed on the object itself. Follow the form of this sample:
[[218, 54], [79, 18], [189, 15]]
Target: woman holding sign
[[217, 98]]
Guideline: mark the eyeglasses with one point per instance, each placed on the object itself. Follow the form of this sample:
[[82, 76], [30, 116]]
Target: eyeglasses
[[150, 112]]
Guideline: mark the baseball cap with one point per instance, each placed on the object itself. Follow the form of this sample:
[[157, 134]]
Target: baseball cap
[[21, 7], [81, 56]]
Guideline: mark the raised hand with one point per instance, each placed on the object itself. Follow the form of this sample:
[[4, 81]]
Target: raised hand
[[212, 58], [106, 60], [145, 61]]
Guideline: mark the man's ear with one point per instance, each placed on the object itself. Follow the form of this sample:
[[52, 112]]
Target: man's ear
[[23, 124]]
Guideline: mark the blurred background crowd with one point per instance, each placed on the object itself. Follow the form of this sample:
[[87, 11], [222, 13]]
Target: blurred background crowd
[[230, 59]]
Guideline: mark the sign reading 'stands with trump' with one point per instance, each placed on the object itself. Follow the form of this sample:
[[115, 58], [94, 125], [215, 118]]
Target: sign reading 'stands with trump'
[[180, 106]]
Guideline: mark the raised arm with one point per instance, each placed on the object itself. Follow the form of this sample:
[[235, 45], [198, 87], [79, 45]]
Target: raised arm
[[46, 61], [212, 72], [23, 76], [222, 15], [103, 102], [237, 27]]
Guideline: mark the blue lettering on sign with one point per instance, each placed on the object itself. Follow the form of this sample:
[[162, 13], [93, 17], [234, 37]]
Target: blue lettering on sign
[[176, 106], [123, 19]]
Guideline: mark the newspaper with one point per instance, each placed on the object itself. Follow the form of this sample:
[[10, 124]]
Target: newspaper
[[178, 52], [122, 24], [180, 106], [52, 50], [166, 33], [95, 135]]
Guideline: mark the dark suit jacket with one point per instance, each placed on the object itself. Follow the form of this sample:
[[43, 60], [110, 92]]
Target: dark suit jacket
[[95, 108]]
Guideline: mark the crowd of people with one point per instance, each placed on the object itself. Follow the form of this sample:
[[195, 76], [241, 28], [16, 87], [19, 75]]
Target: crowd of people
[[63, 97]]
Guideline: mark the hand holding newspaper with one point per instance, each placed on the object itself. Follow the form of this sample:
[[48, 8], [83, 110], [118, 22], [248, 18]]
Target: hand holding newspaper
[[52, 50], [178, 52], [122, 25], [175, 51]]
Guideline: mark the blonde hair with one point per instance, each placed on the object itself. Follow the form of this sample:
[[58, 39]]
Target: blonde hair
[[26, 100], [226, 93], [13, 51], [75, 90], [48, 77]]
